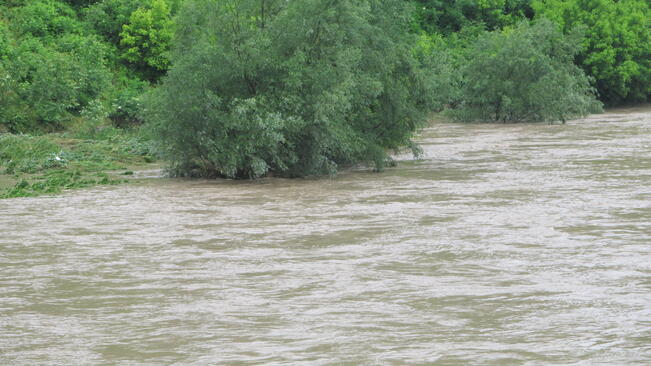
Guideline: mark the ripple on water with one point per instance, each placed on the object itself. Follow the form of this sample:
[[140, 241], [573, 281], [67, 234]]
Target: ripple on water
[[524, 244]]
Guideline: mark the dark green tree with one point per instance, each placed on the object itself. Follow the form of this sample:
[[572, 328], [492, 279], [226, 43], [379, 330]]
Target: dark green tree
[[524, 74], [290, 87], [449, 16], [107, 17]]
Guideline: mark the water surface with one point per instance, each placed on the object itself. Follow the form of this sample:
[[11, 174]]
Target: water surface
[[505, 245]]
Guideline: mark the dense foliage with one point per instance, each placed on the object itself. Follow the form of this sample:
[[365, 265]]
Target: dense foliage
[[524, 74], [146, 38], [43, 83], [617, 44], [296, 88], [448, 16], [58, 57]]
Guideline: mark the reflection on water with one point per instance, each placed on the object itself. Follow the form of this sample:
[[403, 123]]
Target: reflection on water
[[506, 245]]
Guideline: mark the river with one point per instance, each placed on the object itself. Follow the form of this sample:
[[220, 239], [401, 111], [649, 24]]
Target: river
[[520, 244]]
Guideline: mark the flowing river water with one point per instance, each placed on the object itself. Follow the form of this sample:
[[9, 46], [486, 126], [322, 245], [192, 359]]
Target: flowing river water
[[505, 245]]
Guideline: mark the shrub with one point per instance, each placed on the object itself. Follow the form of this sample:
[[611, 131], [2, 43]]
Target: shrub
[[49, 69], [48, 82], [88, 56], [524, 74], [81, 3], [45, 18], [42, 85], [290, 87], [91, 122], [442, 57], [126, 102]]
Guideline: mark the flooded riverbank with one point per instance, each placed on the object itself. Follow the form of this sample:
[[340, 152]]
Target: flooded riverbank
[[505, 245]]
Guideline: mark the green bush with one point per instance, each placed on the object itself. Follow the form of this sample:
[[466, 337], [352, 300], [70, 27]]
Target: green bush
[[14, 113], [524, 74], [617, 51], [50, 70], [292, 87], [91, 122], [88, 56], [44, 18], [126, 102], [48, 82], [443, 57], [43, 84]]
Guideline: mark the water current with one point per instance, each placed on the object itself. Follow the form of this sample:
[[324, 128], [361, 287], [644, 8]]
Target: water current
[[520, 244]]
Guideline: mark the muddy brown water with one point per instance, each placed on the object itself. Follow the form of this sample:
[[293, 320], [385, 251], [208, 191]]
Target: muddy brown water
[[505, 245]]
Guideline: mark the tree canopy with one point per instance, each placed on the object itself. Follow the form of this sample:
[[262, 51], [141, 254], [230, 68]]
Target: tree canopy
[[293, 88], [617, 46], [524, 74], [146, 38]]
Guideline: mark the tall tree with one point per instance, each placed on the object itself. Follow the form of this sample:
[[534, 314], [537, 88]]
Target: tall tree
[[146, 38], [290, 87]]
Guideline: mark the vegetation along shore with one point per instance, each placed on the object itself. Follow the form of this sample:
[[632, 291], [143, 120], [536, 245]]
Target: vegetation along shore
[[91, 90]]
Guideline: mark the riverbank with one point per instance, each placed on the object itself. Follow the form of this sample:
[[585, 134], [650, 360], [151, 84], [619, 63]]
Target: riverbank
[[51, 163]]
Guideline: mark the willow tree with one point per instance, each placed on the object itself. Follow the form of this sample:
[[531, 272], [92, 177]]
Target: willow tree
[[293, 88], [524, 74]]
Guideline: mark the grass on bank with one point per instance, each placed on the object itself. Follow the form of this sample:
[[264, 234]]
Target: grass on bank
[[48, 164]]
